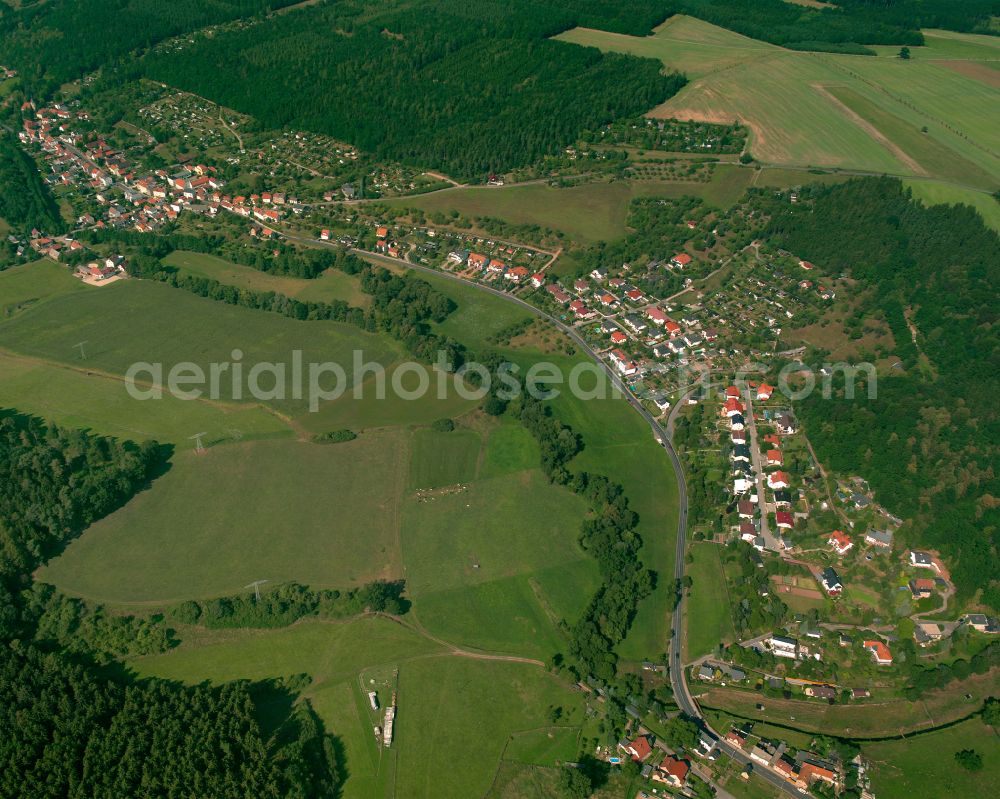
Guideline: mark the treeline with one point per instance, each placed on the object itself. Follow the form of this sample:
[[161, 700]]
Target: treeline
[[51, 43], [78, 627], [66, 732], [608, 535], [468, 87], [290, 602], [928, 443], [276, 258], [25, 201], [671, 135]]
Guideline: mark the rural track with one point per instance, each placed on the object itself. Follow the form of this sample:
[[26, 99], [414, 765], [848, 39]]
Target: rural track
[[682, 695]]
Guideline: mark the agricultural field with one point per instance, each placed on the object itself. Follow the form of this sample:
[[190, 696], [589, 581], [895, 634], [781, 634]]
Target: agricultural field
[[437, 691], [709, 617], [920, 117], [924, 765]]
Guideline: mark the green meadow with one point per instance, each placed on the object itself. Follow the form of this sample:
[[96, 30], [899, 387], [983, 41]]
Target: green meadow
[[141, 321], [709, 617], [323, 515], [443, 701], [924, 765]]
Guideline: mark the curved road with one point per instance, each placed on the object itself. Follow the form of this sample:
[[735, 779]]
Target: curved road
[[676, 669]]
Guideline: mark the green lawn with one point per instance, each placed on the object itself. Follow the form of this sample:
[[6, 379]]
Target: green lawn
[[323, 515], [924, 765], [709, 616], [331, 285], [443, 702]]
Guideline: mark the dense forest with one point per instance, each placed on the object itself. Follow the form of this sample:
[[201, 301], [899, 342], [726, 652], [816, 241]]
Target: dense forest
[[25, 201], [929, 442], [468, 87], [845, 26], [51, 43], [69, 730]]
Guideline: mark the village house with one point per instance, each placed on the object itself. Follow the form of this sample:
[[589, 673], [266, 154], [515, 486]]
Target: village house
[[923, 560], [537, 280], [784, 520], [737, 422], [516, 274], [831, 581], [477, 260], [840, 542], [746, 509], [785, 424], [656, 316], [557, 293], [774, 457], [622, 363], [680, 260], [777, 480], [880, 652], [580, 310], [921, 587], [820, 691], [732, 407], [671, 771], [879, 538], [639, 749], [782, 646], [764, 392]]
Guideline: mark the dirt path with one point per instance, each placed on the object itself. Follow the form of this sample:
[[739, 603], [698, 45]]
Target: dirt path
[[413, 625], [872, 131]]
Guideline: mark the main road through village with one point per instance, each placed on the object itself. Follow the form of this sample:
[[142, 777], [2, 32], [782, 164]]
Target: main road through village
[[664, 435]]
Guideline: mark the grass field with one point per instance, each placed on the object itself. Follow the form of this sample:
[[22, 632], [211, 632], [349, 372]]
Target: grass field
[[470, 557], [709, 617], [443, 459], [442, 702], [22, 287], [277, 510], [924, 765], [586, 213], [783, 96], [140, 321], [331, 285], [73, 398]]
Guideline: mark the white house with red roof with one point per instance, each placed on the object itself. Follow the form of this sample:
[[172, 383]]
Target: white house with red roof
[[880, 652], [840, 542], [777, 480], [477, 260], [656, 316], [764, 392], [680, 260], [671, 771], [732, 392], [622, 363], [516, 274], [537, 279], [639, 749], [774, 457], [784, 520]]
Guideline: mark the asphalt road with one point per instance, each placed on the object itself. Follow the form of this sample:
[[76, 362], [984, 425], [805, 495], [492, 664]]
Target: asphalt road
[[676, 669]]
